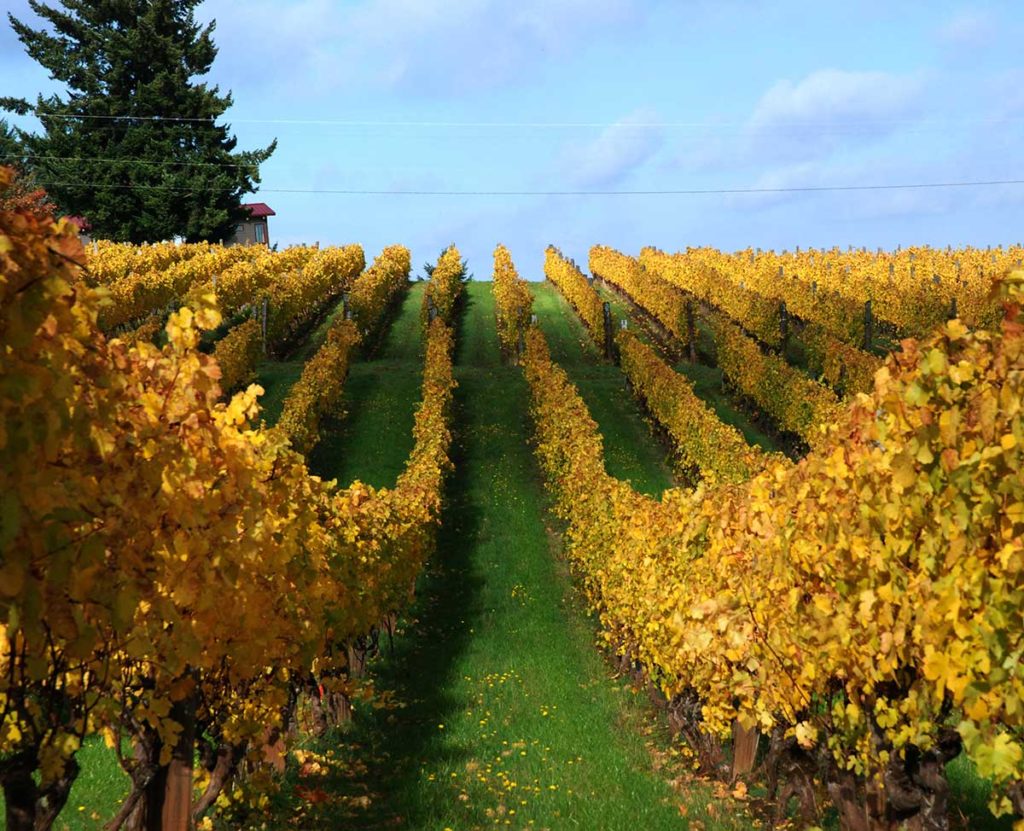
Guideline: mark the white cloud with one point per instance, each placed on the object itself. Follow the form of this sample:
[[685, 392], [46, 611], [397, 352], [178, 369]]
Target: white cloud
[[552, 22], [620, 149], [830, 107], [429, 46], [826, 114], [836, 95], [971, 28], [801, 182]]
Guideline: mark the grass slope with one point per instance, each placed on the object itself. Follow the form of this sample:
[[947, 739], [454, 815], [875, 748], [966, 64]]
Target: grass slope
[[497, 701], [277, 376], [707, 381], [374, 437], [631, 451], [508, 714]]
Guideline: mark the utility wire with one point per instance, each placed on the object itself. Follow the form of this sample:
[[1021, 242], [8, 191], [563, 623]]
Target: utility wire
[[125, 160], [538, 125], [667, 192]]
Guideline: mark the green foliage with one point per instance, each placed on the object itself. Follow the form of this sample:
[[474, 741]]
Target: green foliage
[[134, 146]]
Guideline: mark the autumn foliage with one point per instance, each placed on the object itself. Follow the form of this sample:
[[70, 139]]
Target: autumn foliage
[[862, 605], [169, 570], [513, 302]]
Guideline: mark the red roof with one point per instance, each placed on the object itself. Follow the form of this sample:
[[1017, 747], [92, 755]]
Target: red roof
[[258, 210]]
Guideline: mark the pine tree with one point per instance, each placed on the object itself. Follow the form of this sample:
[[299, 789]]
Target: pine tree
[[135, 147]]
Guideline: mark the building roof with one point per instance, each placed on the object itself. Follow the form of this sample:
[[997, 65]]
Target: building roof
[[258, 210]]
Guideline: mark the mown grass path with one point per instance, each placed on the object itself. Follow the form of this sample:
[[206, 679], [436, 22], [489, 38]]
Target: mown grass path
[[503, 712], [631, 451], [373, 438], [707, 380], [277, 376]]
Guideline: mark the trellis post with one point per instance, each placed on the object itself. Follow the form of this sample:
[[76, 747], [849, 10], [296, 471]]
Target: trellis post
[[609, 338]]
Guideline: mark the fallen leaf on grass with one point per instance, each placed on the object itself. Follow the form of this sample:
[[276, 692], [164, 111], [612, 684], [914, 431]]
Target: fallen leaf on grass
[[314, 796]]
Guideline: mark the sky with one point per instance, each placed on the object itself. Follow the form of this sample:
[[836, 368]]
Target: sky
[[597, 97]]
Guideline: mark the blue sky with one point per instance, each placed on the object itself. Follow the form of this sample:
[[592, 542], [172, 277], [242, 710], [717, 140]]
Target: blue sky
[[620, 95]]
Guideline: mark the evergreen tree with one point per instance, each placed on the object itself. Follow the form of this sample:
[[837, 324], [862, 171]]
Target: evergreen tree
[[135, 147]]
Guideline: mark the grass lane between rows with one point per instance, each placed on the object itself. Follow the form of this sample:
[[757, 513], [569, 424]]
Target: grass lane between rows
[[501, 711], [632, 453]]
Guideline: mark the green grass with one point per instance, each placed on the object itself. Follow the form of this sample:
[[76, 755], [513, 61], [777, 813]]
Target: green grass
[[495, 668], [374, 437], [277, 376], [97, 793], [707, 381], [632, 453], [969, 795], [378, 405], [494, 677]]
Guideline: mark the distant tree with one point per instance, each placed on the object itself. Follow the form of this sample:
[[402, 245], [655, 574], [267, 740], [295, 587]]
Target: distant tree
[[466, 275], [134, 147], [22, 193]]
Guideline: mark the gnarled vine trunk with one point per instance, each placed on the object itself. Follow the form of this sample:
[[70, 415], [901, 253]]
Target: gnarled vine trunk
[[912, 792], [28, 806]]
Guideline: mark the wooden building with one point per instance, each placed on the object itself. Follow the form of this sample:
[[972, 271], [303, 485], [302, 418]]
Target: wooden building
[[254, 229]]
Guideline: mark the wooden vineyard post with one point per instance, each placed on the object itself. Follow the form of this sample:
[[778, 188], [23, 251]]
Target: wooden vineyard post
[[744, 749], [346, 311], [869, 326], [953, 313], [264, 324], [783, 325], [176, 808], [609, 337], [691, 332]]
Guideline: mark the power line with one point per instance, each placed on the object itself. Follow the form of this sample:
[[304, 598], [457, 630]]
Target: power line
[[575, 193], [944, 123], [125, 160]]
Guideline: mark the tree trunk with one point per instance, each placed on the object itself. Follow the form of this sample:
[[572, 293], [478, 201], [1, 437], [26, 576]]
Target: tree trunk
[[50, 800], [917, 786], [684, 717], [1016, 794], [861, 808], [161, 795], [228, 759], [316, 712], [912, 792], [19, 792], [356, 661], [30, 807], [790, 772], [145, 758]]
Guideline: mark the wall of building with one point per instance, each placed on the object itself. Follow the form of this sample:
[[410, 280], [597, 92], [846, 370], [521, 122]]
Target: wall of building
[[245, 233]]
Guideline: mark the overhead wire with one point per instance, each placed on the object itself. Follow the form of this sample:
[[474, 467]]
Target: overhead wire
[[573, 193], [543, 125]]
